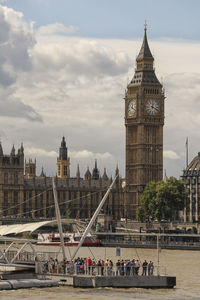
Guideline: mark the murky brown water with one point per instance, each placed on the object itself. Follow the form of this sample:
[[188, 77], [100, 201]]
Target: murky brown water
[[185, 265]]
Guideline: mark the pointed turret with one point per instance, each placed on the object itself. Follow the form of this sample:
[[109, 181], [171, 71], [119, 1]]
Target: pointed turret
[[145, 52], [117, 170], [105, 176], [144, 73], [165, 176], [42, 173], [63, 161], [12, 153], [1, 150], [88, 174], [63, 150], [22, 148], [95, 172], [30, 169], [78, 172]]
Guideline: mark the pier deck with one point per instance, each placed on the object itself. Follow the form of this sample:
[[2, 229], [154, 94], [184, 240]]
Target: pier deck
[[139, 281]]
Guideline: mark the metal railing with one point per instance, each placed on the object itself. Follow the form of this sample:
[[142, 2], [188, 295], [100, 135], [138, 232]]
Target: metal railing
[[69, 268]]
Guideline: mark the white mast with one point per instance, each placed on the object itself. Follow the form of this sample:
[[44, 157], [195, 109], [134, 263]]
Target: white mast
[[57, 210], [158, 258], [93, 218]]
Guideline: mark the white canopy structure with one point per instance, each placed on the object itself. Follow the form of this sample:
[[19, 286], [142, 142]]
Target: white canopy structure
[[19, 228]]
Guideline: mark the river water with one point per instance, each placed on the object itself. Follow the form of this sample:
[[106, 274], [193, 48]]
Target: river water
[[185, 265]]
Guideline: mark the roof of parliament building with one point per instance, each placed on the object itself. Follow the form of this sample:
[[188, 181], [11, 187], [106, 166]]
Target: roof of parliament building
[[90, 179], [193, 167]]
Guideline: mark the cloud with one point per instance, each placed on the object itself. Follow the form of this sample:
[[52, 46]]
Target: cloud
[[13, 108], [77, 60], [38, 152], [89, 154], [56, 28], [16, 41], [170, 154]]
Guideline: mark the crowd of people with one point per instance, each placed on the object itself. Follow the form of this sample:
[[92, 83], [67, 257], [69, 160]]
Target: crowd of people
[[101, 267]]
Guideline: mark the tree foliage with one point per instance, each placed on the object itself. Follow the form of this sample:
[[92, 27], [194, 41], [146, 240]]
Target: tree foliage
[[161, 200]]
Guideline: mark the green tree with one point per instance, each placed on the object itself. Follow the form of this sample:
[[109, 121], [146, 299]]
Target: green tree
[[162, 200]]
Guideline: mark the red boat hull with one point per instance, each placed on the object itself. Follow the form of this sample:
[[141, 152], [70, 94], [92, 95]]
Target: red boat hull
[[85, 244]]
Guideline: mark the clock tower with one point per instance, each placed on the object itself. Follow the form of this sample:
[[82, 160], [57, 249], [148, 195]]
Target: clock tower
[[144, 120]]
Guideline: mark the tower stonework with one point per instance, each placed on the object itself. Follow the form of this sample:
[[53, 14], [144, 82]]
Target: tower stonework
[[144, 120], [11, 182], [63, 161]]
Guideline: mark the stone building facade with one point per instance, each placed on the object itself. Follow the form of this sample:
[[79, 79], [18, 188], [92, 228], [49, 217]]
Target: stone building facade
[[32, 196], [191, 177]]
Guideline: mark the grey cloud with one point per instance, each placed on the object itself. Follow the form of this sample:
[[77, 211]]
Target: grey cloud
[[80, 59], [6, 78], [182, 118], [16, 41], [15, 109], [4, 28]]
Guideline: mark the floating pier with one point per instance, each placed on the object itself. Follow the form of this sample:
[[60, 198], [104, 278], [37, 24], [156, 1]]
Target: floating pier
[[116, 281]]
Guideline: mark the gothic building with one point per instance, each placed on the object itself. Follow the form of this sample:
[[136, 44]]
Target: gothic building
[[32, 196], [144, 120], [191, 177]]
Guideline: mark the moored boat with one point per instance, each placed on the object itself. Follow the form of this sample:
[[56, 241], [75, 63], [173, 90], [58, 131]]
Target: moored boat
[[70, 239]]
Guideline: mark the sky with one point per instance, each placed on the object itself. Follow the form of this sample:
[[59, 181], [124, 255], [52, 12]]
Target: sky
[[64, 67]]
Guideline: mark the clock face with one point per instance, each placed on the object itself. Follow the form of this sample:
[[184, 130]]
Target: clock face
[[152, 107], [132, 107]]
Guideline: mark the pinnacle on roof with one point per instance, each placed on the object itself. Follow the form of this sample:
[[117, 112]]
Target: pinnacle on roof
[[22, 148], [63, 150], [78, 172], [88, 174], [42, 173], [95, 172], [63, 142], [1, 149], [13, 151], [105, 176], [145, 52]]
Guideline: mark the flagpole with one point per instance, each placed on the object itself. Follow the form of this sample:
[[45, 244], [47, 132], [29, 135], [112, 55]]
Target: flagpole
[[186, 151]]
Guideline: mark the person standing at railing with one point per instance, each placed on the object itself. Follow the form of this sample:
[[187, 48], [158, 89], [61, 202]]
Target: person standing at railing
[[102, 267], [133, 267], [88, 264], [52, 265], [137, 267], [144, 268], [122, 268], [56, 265], [110, 268], [150, 268], [93, 267], [64, 266], [106, 266], [99, 267], [118, 268], [128, 267]]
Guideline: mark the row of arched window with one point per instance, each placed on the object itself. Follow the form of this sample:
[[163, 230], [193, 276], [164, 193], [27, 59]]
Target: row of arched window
[[151, 91], [6, 181]]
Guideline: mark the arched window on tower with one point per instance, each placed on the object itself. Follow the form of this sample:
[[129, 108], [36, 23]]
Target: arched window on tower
[[5, 178], [15, 178], [58, 170], [65, 170]]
